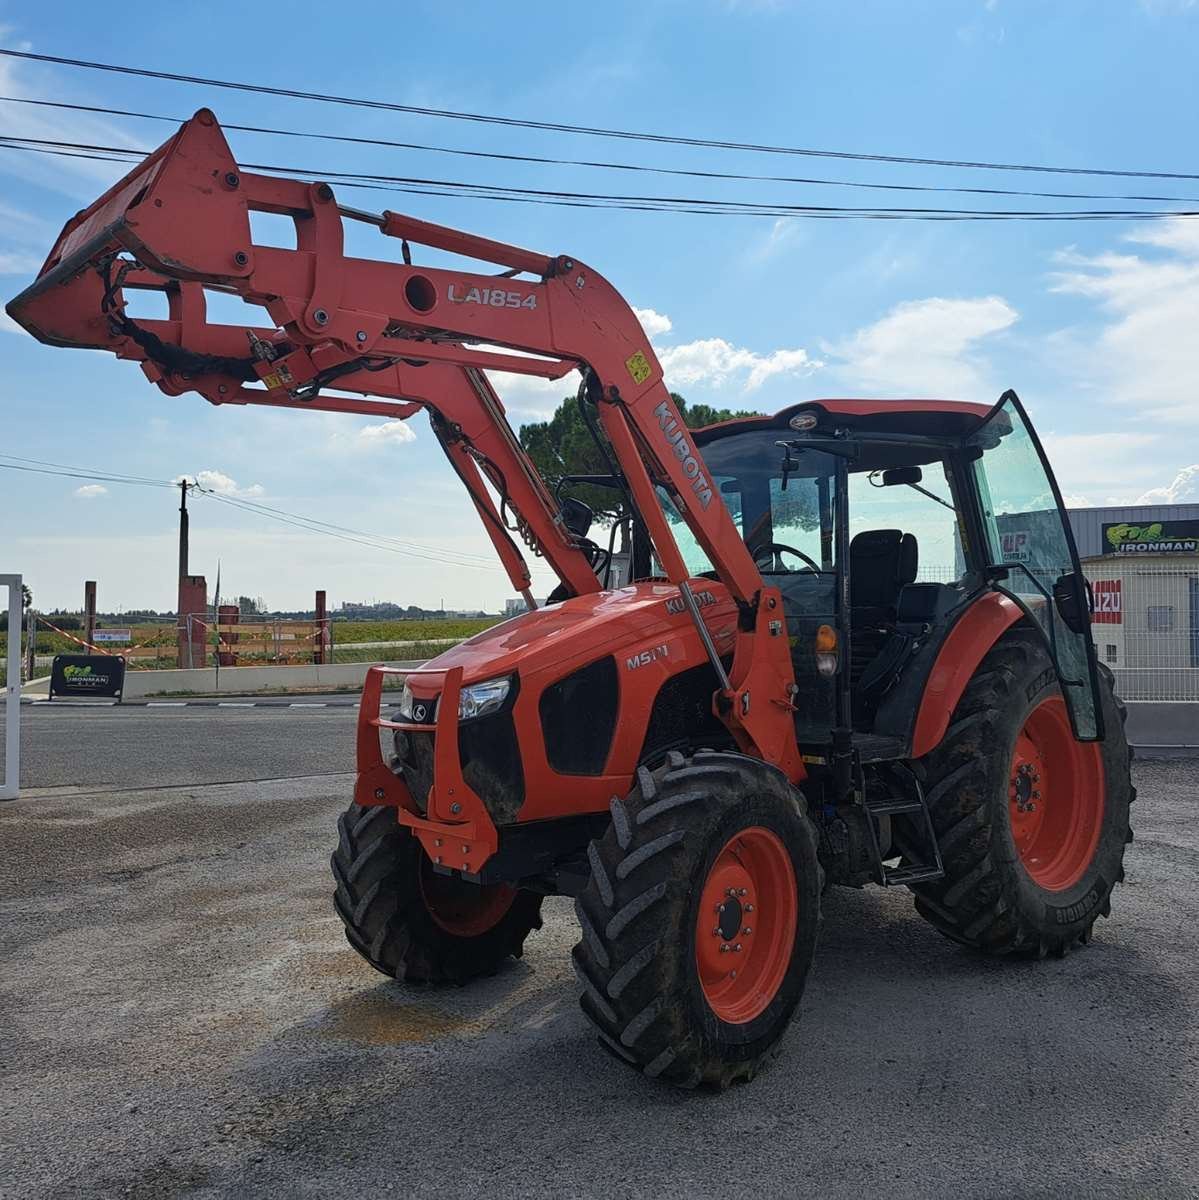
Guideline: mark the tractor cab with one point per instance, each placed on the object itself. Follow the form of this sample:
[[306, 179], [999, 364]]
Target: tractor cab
[[881, 523]]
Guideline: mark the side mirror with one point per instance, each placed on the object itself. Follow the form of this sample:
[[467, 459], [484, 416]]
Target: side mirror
[[1065, 600], [898, 475], [577, 516]]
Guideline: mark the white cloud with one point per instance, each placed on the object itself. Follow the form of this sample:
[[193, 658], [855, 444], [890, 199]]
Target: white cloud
[[783, 234], [7, 324], [928, 347], [72, 176], [18, 262], [714, 362], [530, 398], [389, 433], [1101, 464], [223, 485], [1183, 489], [91, 491], [1147, 354], [654, 323]]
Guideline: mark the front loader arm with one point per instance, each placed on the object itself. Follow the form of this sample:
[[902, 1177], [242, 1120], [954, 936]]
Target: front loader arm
[[414, 336]]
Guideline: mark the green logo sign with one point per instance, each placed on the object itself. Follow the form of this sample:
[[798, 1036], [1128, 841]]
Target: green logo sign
[[1157, 537]]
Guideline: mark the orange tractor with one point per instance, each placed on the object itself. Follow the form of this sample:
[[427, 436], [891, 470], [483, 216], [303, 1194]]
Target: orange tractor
[[762, 696]]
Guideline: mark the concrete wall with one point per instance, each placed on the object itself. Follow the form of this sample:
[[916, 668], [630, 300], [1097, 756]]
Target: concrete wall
[[235, 681], [1167, 726]]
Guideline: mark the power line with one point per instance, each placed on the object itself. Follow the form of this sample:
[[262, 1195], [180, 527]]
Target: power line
[[115, 476], [310, 527], [585, 130], [422, 551], [81, 475], [497, 156], [460, 559], [674, 204]]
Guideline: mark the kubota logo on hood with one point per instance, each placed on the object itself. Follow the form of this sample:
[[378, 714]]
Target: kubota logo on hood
[[684, 452]]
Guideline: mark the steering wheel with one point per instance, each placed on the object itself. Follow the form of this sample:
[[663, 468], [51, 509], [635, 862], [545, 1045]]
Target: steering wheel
[[768, 558]]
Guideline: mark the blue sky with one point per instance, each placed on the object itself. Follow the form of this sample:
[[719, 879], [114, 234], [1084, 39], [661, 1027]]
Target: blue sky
[[1094, 324]]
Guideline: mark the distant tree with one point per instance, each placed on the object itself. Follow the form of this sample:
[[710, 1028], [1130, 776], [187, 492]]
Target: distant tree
[[563, 445], [26, 596], [250, 605]]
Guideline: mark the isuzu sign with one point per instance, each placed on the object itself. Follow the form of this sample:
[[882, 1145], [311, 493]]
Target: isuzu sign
[[1109, 606], [1156, 537]]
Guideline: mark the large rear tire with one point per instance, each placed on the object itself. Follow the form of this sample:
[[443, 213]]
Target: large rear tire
[[411, 922], [1032, 824], [699, 920]]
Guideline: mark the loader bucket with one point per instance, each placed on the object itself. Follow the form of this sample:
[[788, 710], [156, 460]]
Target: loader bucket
[[189, 183]]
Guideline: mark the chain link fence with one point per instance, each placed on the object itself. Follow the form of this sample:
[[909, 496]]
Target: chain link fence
[[1146, 625]]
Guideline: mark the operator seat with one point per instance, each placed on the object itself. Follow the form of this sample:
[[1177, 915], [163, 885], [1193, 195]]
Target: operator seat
[[882, 562]]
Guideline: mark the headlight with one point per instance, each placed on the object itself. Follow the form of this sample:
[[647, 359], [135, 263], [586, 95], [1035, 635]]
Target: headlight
[[479, 699], [404, 708]]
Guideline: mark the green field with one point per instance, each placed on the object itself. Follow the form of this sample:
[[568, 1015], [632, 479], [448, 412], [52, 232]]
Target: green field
[[412, 639]]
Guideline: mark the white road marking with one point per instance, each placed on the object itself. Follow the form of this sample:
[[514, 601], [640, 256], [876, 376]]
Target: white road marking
[[234, 704], [166, 703], [308, 705]]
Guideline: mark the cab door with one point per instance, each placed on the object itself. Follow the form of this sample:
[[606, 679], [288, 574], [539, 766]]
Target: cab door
[[1029, 552]]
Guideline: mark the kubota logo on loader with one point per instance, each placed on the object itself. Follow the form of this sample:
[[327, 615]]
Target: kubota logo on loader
[[684, 453]]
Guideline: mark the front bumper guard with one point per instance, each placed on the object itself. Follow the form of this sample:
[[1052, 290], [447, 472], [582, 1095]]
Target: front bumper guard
[[457, 833]]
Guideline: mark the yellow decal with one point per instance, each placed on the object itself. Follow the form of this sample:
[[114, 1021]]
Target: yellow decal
[[272, 382], [639, 367]]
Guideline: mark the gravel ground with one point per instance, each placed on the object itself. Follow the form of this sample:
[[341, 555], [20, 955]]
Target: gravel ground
[[180, 1015]]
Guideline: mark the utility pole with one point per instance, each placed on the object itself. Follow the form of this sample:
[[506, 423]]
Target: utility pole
[[89, 611], [183, 486], [192, 605]]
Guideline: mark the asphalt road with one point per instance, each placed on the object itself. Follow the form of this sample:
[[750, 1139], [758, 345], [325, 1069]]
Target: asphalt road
[[179, 1015], [66, 745]]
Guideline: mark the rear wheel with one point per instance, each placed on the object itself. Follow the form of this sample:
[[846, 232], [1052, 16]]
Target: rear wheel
[[699, 920], [410, 921], [1032, 824]]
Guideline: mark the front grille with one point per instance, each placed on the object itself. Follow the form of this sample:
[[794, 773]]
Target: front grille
[[490, 758]]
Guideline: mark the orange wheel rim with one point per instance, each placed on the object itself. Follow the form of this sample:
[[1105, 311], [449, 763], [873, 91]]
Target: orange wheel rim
[[1056, 798], [461, 908], [745, 930]]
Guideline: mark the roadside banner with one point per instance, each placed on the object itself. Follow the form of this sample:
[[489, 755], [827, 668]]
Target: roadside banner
[[87, 675]]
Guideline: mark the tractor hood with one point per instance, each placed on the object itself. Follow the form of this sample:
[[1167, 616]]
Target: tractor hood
[[579, 630]]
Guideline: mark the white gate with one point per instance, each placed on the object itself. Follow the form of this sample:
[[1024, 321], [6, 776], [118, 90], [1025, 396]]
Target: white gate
[[12, 692]]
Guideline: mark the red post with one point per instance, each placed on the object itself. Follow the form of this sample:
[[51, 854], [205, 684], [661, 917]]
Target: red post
[[227, 614], [89, 611], [192, 630], [320, 630]]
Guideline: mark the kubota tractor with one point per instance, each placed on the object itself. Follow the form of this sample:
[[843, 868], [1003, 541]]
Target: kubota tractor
[[773, 697]]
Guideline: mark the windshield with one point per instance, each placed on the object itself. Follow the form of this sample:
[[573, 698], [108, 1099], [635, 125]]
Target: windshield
[[787, 526]]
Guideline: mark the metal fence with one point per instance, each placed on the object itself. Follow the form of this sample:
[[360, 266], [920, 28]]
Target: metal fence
[[1146, 625]]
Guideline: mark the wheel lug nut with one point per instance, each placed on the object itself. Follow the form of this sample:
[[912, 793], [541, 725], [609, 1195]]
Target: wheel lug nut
[[724, 947], [737, 948], [1036, 795], [747, 931], [720, 908], [741, 892], [749, 908], [731, 892]]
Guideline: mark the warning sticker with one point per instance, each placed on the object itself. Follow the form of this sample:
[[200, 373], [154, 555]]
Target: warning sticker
[[639, 367]]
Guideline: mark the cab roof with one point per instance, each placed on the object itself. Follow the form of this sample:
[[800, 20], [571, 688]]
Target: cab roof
[[921, 418]]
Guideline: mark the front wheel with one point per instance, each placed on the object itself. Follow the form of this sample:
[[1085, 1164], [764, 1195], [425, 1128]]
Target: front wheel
[[412, 922], [699, 920], [1032, 824]]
